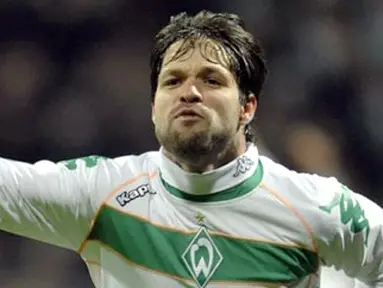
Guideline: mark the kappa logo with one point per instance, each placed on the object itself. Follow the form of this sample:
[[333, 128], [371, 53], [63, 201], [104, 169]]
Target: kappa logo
[[89, 161], [350, 212], [243, 165], [127, 196]]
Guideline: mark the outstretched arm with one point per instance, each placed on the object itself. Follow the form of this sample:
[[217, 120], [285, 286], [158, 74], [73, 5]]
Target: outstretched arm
[[52, 202]]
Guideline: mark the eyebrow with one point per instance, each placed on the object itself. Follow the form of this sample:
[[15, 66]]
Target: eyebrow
[[206, 70]]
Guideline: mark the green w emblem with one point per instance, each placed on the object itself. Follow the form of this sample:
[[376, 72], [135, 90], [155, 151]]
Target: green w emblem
[[202, 257], [350, 212]]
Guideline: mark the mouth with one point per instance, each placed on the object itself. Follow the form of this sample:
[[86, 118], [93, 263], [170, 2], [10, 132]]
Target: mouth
[[188, 114]]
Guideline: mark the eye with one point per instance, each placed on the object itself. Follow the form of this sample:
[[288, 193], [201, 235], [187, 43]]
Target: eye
[[212, 81], [172, 82]]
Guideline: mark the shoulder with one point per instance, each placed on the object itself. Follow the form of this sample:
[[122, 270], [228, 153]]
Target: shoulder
[[315, 198], [140, 163], [106, 173], [305, 187], [134, 163], [324, 202]]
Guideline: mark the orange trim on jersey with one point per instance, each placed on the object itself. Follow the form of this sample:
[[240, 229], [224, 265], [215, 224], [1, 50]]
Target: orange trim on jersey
[[108, 196], [297, 214], [310, 280], [190, 232], [92, 262]]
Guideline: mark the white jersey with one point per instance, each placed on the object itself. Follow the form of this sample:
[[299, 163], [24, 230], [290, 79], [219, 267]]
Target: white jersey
[[141, 221]]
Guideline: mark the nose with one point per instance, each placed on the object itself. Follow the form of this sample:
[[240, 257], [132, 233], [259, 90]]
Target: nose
[[191, 94]]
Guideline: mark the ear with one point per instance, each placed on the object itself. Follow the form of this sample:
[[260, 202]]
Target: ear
[[248, 110], [153, 114]]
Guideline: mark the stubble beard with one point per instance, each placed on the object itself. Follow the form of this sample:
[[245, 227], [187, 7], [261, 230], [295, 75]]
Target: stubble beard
[[196, 148]]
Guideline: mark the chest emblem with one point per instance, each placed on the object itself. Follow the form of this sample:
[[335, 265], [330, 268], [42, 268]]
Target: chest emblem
[[202, 257]]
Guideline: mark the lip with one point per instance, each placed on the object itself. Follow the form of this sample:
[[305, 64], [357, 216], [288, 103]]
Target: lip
[[188, 112]]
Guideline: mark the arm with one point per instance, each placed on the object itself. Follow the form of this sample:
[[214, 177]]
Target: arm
[[50, 202], [352, 238]]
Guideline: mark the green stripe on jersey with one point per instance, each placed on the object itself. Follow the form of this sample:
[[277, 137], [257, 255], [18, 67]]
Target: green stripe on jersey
[[168, 250], [236, 191]]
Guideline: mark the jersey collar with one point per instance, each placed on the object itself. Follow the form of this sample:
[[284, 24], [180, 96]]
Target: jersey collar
[[232, 180]]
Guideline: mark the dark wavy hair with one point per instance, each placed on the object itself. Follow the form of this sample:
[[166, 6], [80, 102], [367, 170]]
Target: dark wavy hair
[[247, 61]]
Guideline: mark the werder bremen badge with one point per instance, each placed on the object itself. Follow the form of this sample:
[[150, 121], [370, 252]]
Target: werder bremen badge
[[202, 257]]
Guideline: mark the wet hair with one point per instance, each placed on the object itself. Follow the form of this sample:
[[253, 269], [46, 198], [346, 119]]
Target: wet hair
[[246, 58]]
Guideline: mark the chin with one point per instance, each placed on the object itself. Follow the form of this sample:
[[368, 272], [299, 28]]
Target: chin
[[191, 133]]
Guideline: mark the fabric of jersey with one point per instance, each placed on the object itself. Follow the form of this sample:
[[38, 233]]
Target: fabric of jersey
[[141, 221]]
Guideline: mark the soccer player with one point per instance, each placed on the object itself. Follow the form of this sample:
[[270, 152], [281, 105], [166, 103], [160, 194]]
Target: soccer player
[[206, 210]]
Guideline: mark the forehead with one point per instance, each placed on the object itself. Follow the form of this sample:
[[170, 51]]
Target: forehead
[[196, 51]]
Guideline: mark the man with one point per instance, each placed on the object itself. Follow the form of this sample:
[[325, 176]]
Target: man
[[206, 210]]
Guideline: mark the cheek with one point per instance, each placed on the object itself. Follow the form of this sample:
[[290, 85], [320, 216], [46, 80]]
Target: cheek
[[222, 119], [159, 107], [228, 113], [161, 114]]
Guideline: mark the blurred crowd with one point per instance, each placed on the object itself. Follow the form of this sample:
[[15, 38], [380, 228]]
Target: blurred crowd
[[74, 81]]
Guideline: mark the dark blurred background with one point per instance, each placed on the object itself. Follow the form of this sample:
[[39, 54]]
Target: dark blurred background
[[74, 81]]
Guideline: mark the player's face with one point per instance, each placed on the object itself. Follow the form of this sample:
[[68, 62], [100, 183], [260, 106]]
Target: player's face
[[196, 104]]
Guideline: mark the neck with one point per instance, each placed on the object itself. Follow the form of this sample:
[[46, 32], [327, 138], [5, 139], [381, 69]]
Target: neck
[[211, 161]]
